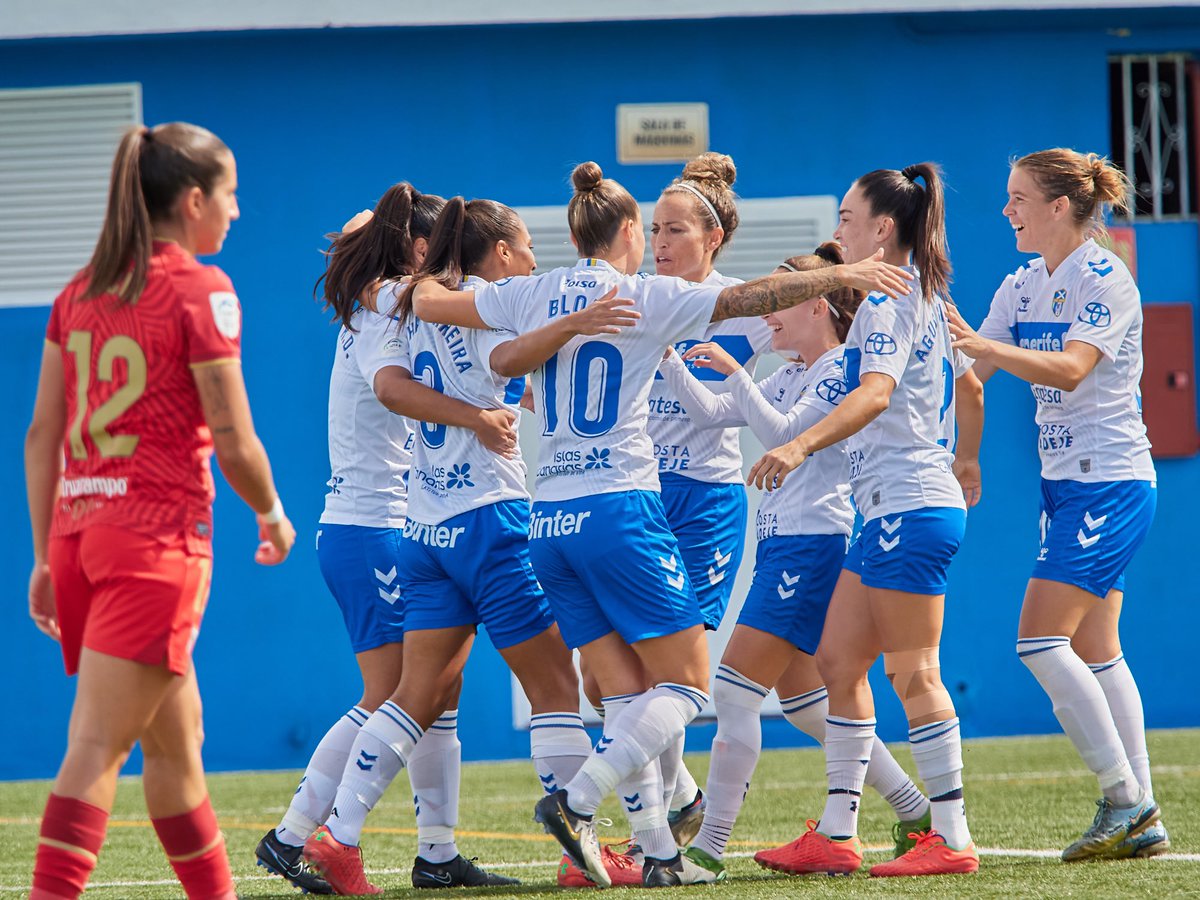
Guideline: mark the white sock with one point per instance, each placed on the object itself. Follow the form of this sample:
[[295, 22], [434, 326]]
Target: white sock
[[641, 733], [735, 753], [670, 764], [379, 753], [937, 751], [1125, 704], [642, 792], [1082, 710], [686, 789], [807, 712], [558, 744], [434, 771], [893, 784], [313, 799], [847, 753]]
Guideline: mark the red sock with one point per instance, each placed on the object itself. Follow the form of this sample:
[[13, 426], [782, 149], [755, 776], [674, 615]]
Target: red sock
[[196, 851], [70, 838]]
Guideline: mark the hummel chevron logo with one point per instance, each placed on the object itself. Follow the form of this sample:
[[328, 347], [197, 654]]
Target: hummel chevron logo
[[676, 581], [1085, 539], [547, 779], [889, 546], [720, 560], [669, 564], [1091, 523], [388, 578], [788, 580], [715, 575], [630, 801], [602, 744], [367, 763], [890, 527], [390, 596]]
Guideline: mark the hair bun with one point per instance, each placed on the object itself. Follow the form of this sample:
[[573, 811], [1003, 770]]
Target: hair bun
[[711, 167], [587, 177], [831, 252]]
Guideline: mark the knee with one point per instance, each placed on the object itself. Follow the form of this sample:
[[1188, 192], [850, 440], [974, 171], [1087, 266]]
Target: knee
[[839, 670], [916, 678]]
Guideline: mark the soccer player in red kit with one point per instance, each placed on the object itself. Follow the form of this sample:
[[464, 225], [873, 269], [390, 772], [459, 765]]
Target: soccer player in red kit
[[140, 381]]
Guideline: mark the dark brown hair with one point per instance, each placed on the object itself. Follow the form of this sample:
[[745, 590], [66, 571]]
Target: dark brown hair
[[379, 250], [152, 167], [1089, 181], [712, 175], [920, 217], [461, 239], [598, 210], [843, 300]]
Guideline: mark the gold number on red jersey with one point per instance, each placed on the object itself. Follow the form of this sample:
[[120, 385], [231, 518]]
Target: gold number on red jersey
[[117, 347]]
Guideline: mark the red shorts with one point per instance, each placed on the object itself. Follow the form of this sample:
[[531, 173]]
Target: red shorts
[[128, 595]]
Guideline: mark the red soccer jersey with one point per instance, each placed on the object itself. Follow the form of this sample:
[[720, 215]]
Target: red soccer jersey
[[137, 449]]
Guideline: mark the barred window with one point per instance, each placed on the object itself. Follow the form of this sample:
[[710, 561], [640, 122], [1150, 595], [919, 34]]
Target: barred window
[[1153, 130]]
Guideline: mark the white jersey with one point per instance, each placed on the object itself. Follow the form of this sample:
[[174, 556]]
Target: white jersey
[[1095, 432], [902, 459], [370, 448], [591, 396], [815, 499], [452, 472], [682, 445]]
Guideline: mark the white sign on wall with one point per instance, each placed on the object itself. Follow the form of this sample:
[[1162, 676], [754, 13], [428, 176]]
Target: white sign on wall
[[661, 132]]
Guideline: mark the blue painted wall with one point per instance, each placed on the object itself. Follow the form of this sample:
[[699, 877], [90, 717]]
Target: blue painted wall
[[322, 122]]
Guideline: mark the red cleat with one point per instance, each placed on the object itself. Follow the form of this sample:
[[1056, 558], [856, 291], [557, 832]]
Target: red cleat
[[624, 870], [813, 854], [339, 864], [931, 856]]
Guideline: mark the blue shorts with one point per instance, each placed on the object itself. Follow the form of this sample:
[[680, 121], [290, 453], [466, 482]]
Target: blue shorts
[[474, 568], [709, 521], [794, 577], [609, 562], [908, 551], [359, 565], [1091, 531]]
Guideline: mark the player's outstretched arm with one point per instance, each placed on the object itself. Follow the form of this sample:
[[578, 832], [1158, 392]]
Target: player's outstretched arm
[[241, 456], [437, 304], [605, 315], [861, 406], [775, 292], [396, 389], [43, 469]]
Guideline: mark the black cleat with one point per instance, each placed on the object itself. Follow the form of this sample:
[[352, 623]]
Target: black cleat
[[459, 872], [288, 863], [576, 834]]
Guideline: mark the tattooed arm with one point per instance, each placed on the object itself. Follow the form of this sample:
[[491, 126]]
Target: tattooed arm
[[776, 292]]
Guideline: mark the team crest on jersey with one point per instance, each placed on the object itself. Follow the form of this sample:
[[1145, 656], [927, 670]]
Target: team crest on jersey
[[227, 315], [1060, 299]]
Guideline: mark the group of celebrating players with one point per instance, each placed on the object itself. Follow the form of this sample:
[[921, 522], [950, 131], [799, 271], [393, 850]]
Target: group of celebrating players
[[628, 550]]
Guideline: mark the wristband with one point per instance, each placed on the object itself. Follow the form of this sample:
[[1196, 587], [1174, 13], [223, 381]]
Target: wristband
[[274, 515]]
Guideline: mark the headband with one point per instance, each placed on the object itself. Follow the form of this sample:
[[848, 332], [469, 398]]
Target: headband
[[691, 188]]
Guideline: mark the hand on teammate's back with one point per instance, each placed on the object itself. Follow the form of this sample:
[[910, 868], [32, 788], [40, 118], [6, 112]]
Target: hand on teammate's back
[[607, 315], [496, 430]]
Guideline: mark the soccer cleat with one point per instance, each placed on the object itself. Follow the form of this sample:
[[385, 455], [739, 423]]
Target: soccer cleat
[[459, 872], [685, 823], [904, 834], [576, 834], [676, 871], [1112, 825], [287, 862], [813, 854], [704, 861], [931, 855], [339, 864], [1150, 842], [623, 869]]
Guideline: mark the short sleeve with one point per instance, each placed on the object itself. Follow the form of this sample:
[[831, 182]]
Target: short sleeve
[[962, 363], [510, 304], [1105, 316], [380, 342], [1000, 323], [886, 331], [674, 309], [212, 317], [483, 343]]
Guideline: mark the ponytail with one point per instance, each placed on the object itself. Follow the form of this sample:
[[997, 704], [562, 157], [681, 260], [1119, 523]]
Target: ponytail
[[920, 217], [1089, 181], [380, 250], [150, 170]]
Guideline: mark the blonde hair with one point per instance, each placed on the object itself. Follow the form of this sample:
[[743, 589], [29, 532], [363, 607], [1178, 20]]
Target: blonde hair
[[1090, 181]]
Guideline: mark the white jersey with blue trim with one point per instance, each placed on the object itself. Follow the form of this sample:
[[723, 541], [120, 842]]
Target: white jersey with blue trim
[[1095, 432], [591, 396], [816, 498], [684, 447], [452, 472], [902, 460], [370, 448]]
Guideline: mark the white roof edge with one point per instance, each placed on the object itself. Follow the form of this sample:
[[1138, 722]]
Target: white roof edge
[[80, 18]]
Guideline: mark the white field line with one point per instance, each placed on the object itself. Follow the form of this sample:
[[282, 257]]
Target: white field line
[[551, 865]]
